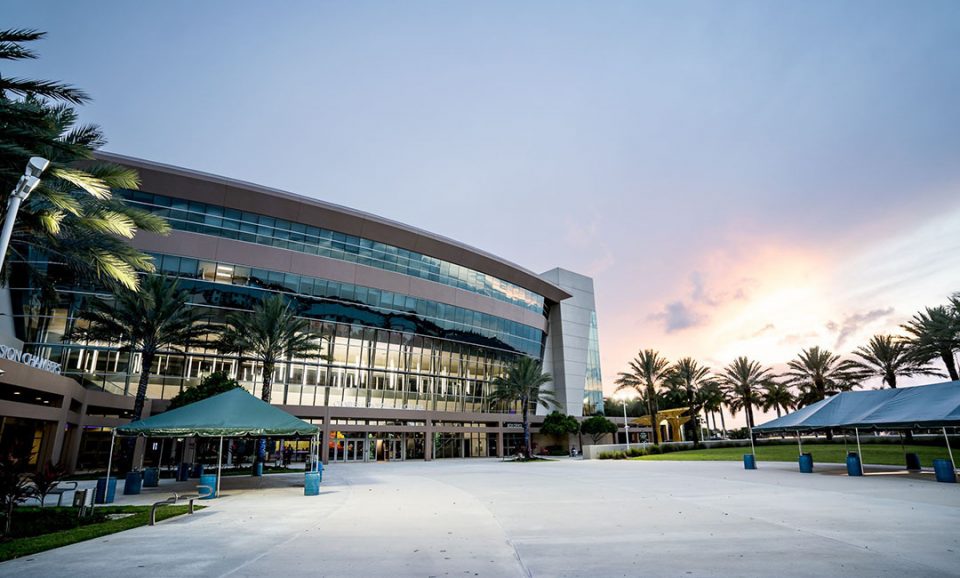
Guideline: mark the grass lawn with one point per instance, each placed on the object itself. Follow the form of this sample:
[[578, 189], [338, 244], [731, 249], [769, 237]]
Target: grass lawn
[[879, 454], [17, 547]]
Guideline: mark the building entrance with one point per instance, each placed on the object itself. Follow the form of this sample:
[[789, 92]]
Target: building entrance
[[349, 450]]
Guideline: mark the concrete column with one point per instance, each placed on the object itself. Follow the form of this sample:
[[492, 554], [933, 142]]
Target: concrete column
[[73, 452], [500, 439], [428, 441], [325, 439], [57, 447]]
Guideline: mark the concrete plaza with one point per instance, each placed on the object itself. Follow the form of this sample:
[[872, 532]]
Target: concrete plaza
[[564, 518]]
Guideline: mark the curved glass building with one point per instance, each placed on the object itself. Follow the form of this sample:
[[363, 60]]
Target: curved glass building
[[414, 326]]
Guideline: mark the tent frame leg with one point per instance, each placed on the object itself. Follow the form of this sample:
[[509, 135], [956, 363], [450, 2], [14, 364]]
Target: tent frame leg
[[219, 466], [859, 451], [800, 442], [949, 451]]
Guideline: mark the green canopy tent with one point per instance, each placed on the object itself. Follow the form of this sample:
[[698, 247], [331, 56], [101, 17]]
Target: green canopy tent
[[232, 414]]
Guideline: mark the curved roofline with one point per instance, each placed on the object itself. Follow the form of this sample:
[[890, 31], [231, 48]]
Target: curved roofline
[[385, 230]]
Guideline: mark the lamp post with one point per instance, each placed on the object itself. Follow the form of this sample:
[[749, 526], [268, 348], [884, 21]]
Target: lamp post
[[27, 183], [626, 424]]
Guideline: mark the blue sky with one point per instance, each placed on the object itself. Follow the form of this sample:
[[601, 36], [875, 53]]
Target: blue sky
[[739, 177]]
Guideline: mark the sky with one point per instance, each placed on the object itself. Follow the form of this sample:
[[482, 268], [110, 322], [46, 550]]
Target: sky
[[739, 178]]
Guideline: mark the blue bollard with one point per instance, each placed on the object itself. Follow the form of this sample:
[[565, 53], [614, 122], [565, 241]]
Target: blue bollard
[[806, 463], [183, 472], [749, 462], [853, 464], [319, 470], [132, 483], [151, 477], [210, 481], [945, 471], [311, 484], [105, 492]]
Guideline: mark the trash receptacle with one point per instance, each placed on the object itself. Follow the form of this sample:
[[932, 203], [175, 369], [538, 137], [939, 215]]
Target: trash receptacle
[[319, 470], [854, 468], [133, 483], [806, 463], [151, 477], [105, 491], [749, 462], [197, 471], [945, 471], [208, 487], [311, 484], [257, 469], [183, 472], [913, 462]]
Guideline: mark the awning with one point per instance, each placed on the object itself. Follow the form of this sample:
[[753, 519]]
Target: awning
[[235, 413], [935, 405]]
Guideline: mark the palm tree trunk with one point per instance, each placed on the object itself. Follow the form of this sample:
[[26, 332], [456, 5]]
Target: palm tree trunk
[[267, 375], [777, 407], [723, 423], [947, 356], [696, 430], [146, 358], [526, 427]]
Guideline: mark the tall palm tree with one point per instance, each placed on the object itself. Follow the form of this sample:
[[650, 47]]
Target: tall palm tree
[[646, 376], [742, 381], [71, 217], [777, 396], [271, 333], [818, 373], [691, 376], [155, 318], [713, 399], [889, 357], [935, 332], [522, 384]]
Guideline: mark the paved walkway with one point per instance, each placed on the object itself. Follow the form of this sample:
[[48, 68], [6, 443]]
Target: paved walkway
[[565, 518]]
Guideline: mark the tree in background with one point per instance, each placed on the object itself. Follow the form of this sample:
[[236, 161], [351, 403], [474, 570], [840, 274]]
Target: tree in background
[[935, 333], [214, 384], [690, 376], [71, 217], [817, 373], [713, 399], [888, 357], [598, 426], [646, 376], [777, 396], [558, 425], [153, 319], [522, 384], [741, 382], [269, 334]]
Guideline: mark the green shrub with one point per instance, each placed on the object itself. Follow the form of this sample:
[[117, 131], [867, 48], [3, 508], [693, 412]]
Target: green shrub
[[653, 449]]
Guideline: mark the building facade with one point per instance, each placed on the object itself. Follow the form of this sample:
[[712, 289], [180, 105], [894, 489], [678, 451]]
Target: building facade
[[413, 326]]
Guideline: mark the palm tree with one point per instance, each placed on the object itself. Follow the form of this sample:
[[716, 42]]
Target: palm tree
[[153, 319], [777, 396], [522, 383], [818, 373], [691, 376], [713, 399], [935, 332], [646, 376], [71, 217], [741, 382], [269, 334], [889, 357]]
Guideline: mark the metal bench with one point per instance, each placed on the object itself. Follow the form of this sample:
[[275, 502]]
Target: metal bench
[[175, 499], [60, 489]]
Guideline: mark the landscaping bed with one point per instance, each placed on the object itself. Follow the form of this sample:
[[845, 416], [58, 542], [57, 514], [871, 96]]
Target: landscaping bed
[[878, 454], [35, 529]]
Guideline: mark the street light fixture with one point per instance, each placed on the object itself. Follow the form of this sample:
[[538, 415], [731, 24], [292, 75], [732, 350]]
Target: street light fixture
[[26, 185]]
